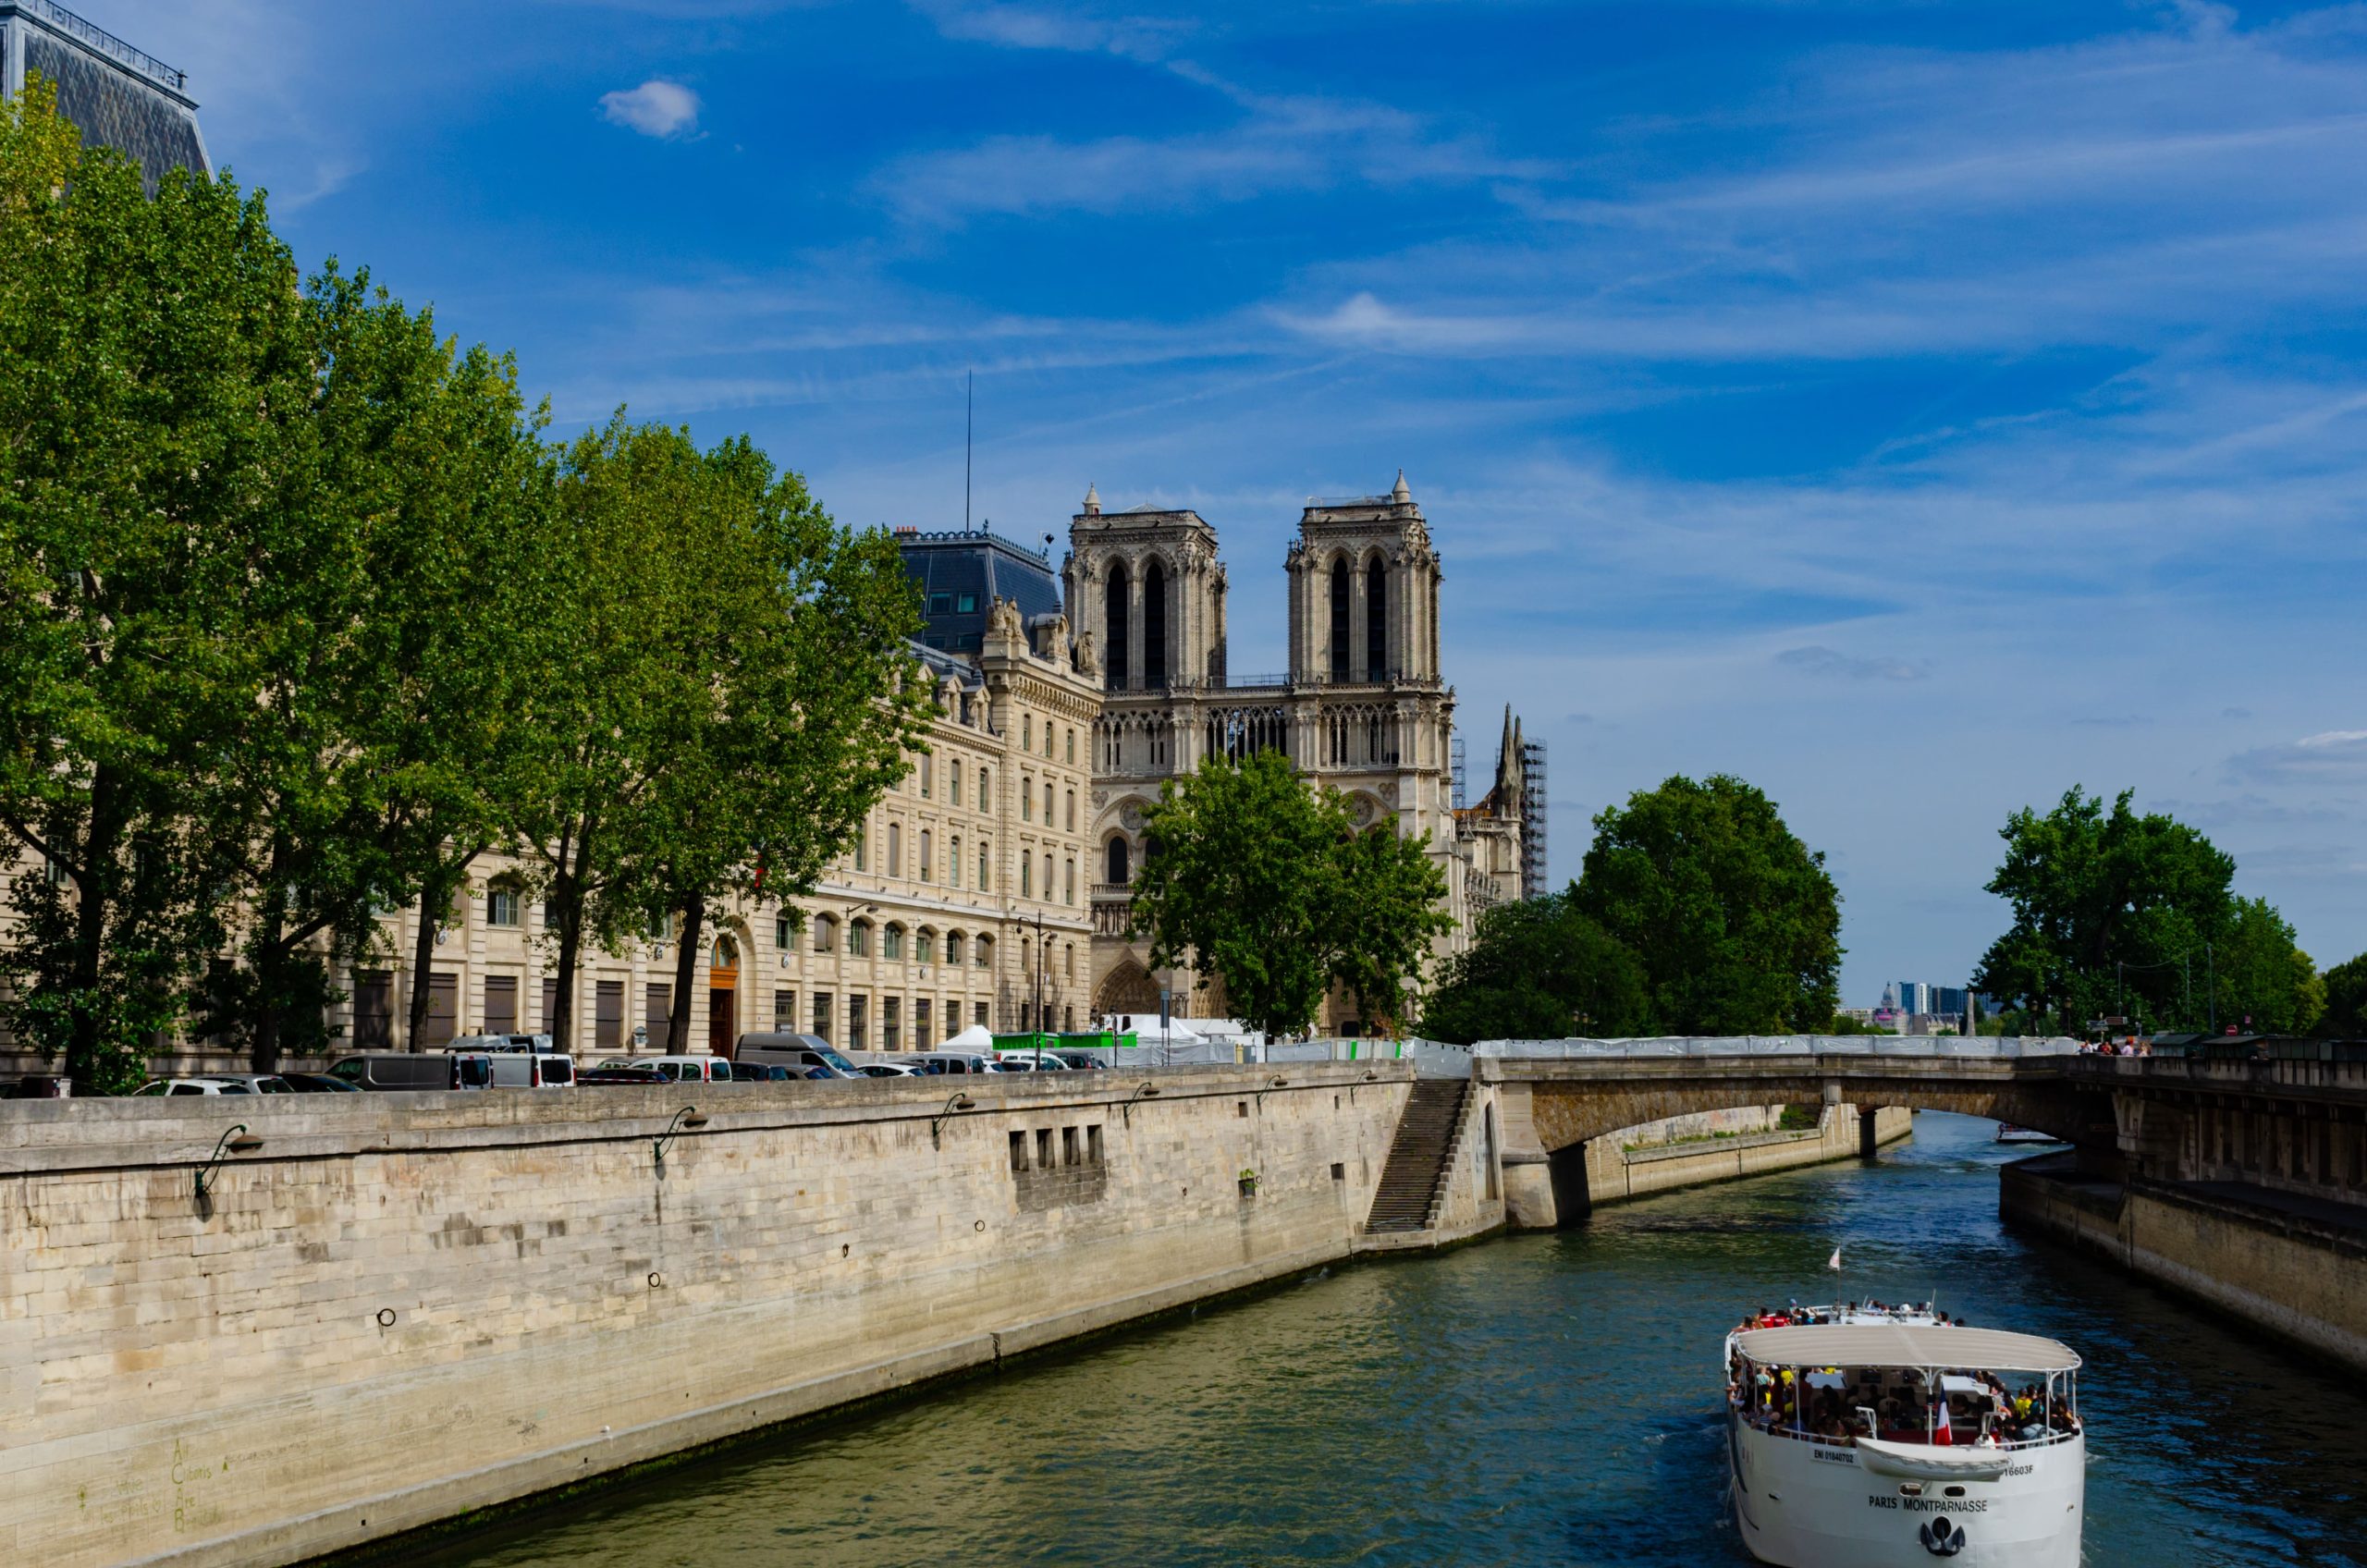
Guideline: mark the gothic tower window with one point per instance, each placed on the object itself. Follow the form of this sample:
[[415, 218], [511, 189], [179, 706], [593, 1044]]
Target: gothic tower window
[[1120, 871], [1339, 620], [1114, 612], [1154, 626], [1377, 619]]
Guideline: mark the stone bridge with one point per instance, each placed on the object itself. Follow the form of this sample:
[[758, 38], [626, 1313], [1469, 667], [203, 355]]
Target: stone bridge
[[1551, 1106]]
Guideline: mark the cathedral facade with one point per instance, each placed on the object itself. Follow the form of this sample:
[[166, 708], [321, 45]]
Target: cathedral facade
[[1364, 707]]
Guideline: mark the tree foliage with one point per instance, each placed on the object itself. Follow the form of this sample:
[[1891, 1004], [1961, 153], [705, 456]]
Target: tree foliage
[[2346, 997], [1539, 969], [2122, 915], [1257, 878], [1734, 921]]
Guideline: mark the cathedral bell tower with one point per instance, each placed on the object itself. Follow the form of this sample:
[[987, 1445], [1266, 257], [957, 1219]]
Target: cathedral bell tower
[[1364, 593]]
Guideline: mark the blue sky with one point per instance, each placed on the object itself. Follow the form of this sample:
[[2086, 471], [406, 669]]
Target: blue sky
[[1915, 410]]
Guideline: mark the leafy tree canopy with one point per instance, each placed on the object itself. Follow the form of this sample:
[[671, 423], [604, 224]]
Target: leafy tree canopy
[[1734, 920], [2346, 1013], [1540, 968], [2122, 915], [1257, 878]]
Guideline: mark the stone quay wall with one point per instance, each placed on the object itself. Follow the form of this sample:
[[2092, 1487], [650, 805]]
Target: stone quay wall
[[1615, 1172], [402, 1307], [2301, 1274]]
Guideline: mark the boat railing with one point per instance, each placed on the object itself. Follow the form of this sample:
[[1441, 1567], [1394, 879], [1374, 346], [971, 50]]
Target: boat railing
[[1774, 1427]]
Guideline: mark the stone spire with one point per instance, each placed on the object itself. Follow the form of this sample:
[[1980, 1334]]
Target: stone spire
[[1398, 493], [1507, 762], [1092, 499]]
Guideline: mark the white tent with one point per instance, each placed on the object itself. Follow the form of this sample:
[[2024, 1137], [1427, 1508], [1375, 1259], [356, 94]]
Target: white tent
[[1146, 1028], [976, 1038]]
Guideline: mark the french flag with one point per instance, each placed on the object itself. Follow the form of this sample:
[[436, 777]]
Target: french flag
[[1941, 1435]]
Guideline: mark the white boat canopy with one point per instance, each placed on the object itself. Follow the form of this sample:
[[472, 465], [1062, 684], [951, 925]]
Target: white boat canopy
[[1904, 1344]]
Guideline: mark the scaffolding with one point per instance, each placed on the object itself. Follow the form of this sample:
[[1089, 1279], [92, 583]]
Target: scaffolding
[[1454, 752], [1533, 815]]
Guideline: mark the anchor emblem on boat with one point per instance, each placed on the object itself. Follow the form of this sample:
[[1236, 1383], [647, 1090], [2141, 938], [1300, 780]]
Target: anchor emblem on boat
[[1941, 1537]]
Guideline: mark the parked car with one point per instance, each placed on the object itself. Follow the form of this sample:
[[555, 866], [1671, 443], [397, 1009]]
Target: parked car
[[762, 1073], [193, 1086], [518, 1069], [41, 1086], [256, 1083], [887, 1069], [1012, 1064], [795, 1051], [403, 1070], [617, 1073], [318, 1083]]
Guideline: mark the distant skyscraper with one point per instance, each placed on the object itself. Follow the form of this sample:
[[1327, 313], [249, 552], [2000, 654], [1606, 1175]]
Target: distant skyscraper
[[1914, 997], [117, 95]]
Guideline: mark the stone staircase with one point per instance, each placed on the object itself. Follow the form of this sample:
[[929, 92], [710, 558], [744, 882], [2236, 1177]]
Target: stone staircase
[[1413, 1181]]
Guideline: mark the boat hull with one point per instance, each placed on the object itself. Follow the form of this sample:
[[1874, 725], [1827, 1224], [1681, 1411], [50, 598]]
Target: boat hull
[[1802, 1504]]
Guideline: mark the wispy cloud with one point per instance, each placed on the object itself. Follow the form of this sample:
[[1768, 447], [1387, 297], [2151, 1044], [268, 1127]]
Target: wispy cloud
[[1832, 664], [657, 108], [2337, 757], [1071, 29]]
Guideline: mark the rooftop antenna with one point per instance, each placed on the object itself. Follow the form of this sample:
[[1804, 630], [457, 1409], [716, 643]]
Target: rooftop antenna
[[969, 382]]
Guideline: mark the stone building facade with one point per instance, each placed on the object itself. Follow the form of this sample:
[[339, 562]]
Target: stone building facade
[[1364, 707]]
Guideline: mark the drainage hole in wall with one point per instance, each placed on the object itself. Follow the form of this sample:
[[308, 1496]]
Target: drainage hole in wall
[[842, 1249], [1339, 1171], [386, 1317], [656, 1280], [979, 1225]]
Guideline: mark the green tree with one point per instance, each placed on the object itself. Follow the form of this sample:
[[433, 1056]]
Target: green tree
[[2122, 915], [1734, 920], [2345, 1017], [795, 699], [157, 356], [1539, 969], [1260, 880]]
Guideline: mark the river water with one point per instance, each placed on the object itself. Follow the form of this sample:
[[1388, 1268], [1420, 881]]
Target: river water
[[1547, 1398]]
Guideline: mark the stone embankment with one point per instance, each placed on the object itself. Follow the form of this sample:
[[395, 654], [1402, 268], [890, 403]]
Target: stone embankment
[[399, 1308], [2288, 1262]]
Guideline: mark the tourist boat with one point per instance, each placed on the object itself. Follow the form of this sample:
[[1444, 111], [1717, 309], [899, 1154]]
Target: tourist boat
[[2009, 1133], [1870, 1437]]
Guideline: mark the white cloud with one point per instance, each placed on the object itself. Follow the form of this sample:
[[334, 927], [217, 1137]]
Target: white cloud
[[2334, 757], [657, 108]]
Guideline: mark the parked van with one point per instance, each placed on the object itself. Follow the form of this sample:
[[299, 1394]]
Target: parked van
[[689, 1069], [798, 1053], [516, 1070], [503, 1043], [400, 1070], [948, 1061]]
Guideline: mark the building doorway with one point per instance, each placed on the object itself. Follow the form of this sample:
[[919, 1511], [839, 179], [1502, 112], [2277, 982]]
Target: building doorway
[[722, 994]]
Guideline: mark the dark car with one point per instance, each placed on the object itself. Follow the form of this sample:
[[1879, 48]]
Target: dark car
[[594, 1077], [318, 1084], [760, 1073], [41, 1086]]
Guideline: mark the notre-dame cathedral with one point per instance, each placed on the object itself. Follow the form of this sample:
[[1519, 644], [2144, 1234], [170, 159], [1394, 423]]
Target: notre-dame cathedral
[[1364, 708]]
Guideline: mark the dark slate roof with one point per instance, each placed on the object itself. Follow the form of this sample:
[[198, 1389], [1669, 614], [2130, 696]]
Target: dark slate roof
[[117, 95], [961, 574]]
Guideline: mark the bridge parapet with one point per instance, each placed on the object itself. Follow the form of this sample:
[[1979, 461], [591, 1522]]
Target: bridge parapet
[[2007, 1047]]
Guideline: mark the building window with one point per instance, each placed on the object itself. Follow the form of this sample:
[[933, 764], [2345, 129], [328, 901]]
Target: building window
[[859, 940], [1028, 732], [863, 847], [891, 1023], [1067, 810], [823, 1013], [986, 853], [924, 867], [1047, 878], [1048, 803], [501, 907], [978, 1014], [1121, 873], [966, 604], [1068, 961], [953, 864], [1113, 617], [986, 789], [940, 603], [1068, 881], [1376, 620], [928, 773], [895, 849], [953, 947], [1026, 875], [1072, 745], [784, 934], [785, 1012], [892, 946], [826, 933], [924, 946], [953, 782], [1026, 799], [986, 946], [921, 1040], [858, 1023], [1154, 626]]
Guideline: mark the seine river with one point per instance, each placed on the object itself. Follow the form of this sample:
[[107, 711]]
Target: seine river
[[1546, 1399]]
